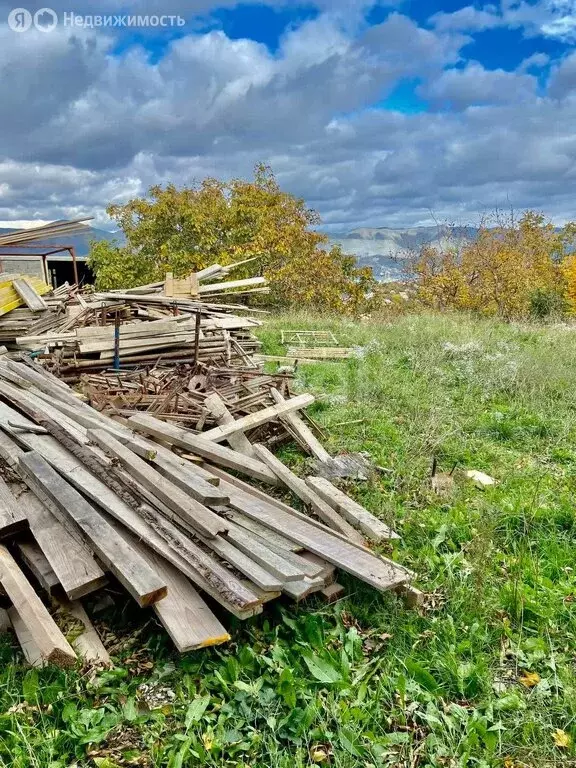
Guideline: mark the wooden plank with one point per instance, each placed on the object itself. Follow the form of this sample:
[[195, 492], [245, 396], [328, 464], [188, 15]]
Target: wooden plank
[[183, 613], [328, 572], [218, 454], [259, 551], [130, 569], [190, 510], [73, 564], [12, 518], [83, 636], [188, 481], [252, 420], [379, 572], [38, 565], [231, 285], [5, 623], [245, 564], [270, 536], [356, 514], [210, 470], [31, 652], [217, 407], [51, 643], [29, 295], [300, 590], [333, 592], [302, 429], [299, 487]]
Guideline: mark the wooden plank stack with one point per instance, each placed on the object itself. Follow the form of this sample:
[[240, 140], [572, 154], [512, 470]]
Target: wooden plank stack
[[174, 320], [170, 511]]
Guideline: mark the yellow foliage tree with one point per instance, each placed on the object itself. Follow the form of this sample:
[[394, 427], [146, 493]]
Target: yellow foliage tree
[[185, 230], [509, 270]]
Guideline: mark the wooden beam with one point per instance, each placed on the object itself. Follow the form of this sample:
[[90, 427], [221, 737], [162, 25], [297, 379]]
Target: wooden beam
[[231, 285], [51, 643], [183, 613], [379, 572], [252, 420], [218, 454], [354, 513], [259, 551], [217, 407], [38, 565], [12, 518], [73, 564], [189, 481], [130, 569], [299, 487], [190, 510], [303, 431]]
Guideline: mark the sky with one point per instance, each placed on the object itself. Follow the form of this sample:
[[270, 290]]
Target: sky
[[397, 113]]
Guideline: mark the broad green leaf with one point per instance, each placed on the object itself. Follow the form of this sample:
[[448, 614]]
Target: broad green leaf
[[195, 710], [422, 676], [321, 669]]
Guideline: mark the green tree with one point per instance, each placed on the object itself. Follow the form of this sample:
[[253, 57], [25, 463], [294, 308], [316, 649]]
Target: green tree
[[185, 230]]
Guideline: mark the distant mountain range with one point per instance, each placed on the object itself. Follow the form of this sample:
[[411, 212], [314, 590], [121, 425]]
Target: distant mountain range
[[386, 249]]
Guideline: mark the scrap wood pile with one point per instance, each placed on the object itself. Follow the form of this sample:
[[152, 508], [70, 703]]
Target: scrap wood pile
[[28, 305], [171, 320], [202, 397], [162, 509]]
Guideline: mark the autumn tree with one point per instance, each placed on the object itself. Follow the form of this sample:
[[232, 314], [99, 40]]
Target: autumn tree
[[509, 270], [184, 230]]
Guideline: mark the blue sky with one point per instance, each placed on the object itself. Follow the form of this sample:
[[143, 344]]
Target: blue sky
[[394, 113]]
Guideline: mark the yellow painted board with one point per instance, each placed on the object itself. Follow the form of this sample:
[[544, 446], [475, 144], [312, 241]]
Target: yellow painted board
[[10, 300]]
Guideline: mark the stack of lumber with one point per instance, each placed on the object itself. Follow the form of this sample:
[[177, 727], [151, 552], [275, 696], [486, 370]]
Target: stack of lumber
[[31, 307], [173, 320], [162, 509]]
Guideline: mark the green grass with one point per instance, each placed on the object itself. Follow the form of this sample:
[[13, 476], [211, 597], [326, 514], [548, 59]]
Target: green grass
[[368, 682]]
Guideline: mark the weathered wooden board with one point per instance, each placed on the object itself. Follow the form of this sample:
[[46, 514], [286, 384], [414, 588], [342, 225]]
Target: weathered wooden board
[[187, 480], [303, 431], [380, 573], [218, 454], [201, 518], [12, 518], [256, 419], [238, 441], [38, 565], [355, 513], [51, 643], [126, 564], [324, 511], [184, 614], [72, 563]]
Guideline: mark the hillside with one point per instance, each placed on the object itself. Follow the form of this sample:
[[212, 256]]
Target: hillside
[[386, 249]]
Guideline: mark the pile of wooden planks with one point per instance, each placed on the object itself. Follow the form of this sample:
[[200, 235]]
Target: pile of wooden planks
[[175, 515], [174, 320]]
